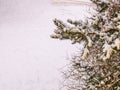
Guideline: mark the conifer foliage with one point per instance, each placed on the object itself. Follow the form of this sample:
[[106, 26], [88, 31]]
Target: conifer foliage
[[98, 65]]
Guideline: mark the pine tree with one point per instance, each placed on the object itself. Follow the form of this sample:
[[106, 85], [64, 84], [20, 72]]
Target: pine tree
[[98, 66]]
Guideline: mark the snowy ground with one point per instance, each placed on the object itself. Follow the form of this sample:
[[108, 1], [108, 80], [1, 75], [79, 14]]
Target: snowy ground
[[29, 58]]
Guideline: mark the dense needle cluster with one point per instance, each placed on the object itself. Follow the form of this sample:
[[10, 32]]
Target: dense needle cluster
[[98, 65]]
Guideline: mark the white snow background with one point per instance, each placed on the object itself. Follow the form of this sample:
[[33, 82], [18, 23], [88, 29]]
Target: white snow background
[[29, 58]]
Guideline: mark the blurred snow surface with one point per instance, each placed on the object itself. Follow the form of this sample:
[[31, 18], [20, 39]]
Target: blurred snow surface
[[29, 58]]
